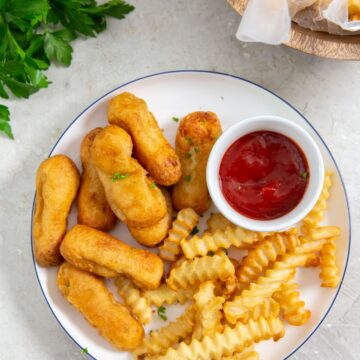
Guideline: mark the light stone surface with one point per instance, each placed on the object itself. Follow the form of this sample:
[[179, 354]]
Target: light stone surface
[[159, 36]]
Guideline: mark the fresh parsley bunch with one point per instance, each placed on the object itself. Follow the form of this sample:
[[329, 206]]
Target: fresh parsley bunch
[[33, 33]]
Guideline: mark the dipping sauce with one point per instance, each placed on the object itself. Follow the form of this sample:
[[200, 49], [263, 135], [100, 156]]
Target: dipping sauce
[[264, 175]]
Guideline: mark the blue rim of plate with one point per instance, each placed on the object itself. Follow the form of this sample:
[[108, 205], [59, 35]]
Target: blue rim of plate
[[234, 77]]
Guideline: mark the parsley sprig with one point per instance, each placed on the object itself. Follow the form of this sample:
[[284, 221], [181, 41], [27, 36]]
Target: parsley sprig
[[34, 33], [119, 176], [162, 312]]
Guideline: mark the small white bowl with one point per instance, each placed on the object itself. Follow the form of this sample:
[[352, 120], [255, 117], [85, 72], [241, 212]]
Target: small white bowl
[[292, 131]]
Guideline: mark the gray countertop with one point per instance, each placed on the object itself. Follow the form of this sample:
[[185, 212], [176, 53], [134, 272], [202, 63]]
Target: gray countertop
[[159, 36]]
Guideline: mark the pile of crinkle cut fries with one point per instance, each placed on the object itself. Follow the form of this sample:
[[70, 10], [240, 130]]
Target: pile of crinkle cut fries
[[128, 168]]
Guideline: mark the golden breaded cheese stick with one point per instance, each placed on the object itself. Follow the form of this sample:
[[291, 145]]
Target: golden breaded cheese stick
[[151, 147], [93, 209], [57, 182], [130, 193], [154, 234], [102, 254], [90, 296], [195, 138]]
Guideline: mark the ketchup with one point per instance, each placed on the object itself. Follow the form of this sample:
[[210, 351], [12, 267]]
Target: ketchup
[[264, 175]]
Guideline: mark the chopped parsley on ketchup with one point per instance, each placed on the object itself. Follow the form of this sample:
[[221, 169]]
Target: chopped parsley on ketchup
[[264, 175]]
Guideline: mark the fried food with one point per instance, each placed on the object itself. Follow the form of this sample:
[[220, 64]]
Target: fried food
[[230, 341], [93, 209], [154, 234], [316, 215], [231, 236], [159, 341], [218, 221], [267, 308], [182, 226], [90, 296], [200, 269], [354, 10], [329, 271], [247, 354], [209, 311], [57, 182], [164, 294], [130, 193], [195, 138], [263, 253], [292, 307], [104, 255], [138, 305], [150, 145], [265, 286]]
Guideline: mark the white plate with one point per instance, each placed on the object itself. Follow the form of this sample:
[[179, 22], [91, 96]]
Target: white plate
[[232, 99]]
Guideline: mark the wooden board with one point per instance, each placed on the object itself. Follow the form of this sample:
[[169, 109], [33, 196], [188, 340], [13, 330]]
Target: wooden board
[[314, 42]]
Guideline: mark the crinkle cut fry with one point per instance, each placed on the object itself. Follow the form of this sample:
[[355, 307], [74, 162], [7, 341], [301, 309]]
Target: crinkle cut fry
[[324, 232], [263, 253], [199, 270], [159, 341], [316, 215], [269, 307], [138, 305], [247, 354], [164, 294], [230, 341], [185, 221], [265, 286], [209, 311], [292, 307], [282, 271], [217, 221], [200, 246], [329, 271]]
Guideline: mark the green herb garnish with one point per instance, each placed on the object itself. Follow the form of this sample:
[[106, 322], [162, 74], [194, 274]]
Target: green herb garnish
[[188, 139], [304, 175], [67, 284], [85, 351], [187, 178], [196, 149], [188, 155], [119, 176], [153, 185], [161, 312], [176, 119], [35, 33], [194, 231], [5, 118], [210, 253]]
